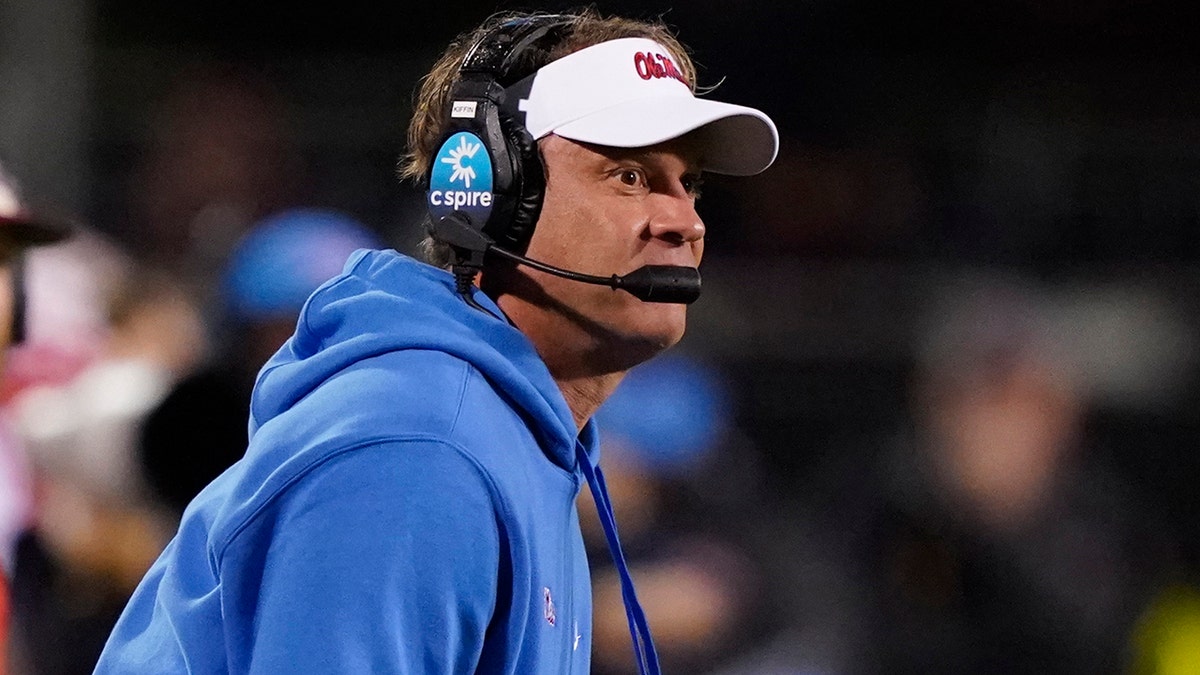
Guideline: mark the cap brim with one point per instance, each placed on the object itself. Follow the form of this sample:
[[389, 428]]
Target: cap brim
[[24, 230], [737, 140]]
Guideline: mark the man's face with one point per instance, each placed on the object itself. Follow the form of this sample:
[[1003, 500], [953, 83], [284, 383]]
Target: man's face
[[613, 210]]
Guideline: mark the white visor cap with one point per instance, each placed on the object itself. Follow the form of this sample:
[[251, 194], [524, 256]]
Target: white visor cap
[[628, 93]]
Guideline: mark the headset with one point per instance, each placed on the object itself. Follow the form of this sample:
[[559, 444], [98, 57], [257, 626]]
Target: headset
[[483, 105]]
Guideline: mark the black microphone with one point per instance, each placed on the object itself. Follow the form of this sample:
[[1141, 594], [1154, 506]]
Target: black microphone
[[649, 283]]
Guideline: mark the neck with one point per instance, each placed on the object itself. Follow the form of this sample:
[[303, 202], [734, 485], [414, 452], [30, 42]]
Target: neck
[[585, 395], [587, 359], [586, 367]]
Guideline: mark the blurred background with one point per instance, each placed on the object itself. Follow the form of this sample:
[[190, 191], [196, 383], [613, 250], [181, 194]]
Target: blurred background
[[937, 411]]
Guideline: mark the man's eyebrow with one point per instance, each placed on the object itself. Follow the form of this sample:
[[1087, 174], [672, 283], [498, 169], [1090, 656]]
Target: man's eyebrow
[[692, 166]]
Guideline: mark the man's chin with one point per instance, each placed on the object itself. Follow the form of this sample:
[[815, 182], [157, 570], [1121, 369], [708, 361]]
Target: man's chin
[[653, 329], [626, 329]]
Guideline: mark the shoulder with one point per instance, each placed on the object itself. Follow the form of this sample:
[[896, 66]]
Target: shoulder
[[410, 392], [389, 538], [400, 484], [381, 396], [414, 403]]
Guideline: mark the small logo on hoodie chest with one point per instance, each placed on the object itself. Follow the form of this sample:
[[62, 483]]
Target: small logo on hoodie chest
[[548, 607]]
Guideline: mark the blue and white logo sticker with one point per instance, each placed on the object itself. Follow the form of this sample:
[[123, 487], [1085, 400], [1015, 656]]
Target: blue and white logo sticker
[[461, 179]]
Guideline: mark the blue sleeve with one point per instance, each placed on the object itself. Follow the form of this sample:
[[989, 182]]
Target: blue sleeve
[[383, 559]]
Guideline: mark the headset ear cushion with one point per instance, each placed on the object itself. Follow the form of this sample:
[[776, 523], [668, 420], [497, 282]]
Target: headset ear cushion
[[532, 184]]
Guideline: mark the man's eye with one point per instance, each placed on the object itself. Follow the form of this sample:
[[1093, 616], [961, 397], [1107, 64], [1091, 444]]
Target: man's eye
[[630, 177]]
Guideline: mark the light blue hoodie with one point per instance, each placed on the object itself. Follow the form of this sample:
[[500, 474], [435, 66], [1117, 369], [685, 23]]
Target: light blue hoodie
[[406, 504]]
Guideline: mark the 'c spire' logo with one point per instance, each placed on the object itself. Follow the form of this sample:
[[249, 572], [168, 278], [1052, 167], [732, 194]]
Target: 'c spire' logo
[[461, 178], [465, 150]]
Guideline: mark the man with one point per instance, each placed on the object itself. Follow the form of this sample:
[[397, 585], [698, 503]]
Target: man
[[19, 230], [407, 500]]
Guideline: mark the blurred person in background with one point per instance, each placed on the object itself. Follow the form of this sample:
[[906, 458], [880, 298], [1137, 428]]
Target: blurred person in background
[[105, 339], [199, 428], [114, 325], [407, 498], [19, 230], [671, 457], [986, 538]]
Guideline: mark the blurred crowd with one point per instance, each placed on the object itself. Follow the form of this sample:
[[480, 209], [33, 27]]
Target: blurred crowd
[[1020, 496]]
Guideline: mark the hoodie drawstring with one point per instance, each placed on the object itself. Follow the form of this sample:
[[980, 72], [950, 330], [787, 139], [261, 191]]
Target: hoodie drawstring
[[639, 629]]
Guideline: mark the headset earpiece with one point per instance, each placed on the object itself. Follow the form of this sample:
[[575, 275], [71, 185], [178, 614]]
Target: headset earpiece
[[528, 205], [501, 194]]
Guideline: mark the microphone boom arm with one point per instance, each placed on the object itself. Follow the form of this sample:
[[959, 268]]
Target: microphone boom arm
[[650, 283]]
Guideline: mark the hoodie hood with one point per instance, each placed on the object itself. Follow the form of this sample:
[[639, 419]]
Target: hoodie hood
[[385, 301]]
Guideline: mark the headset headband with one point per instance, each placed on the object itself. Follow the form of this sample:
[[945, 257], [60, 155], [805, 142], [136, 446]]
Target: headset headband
[[497, 51]]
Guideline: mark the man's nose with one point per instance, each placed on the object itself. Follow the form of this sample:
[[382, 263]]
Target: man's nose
[[675, 219]]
